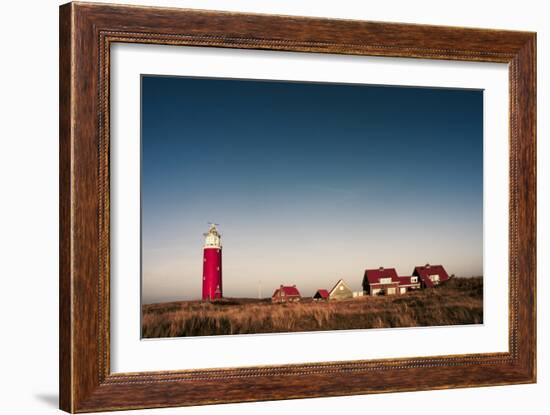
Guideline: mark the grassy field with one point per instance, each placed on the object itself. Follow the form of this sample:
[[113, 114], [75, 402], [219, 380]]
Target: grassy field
[[459, 301]]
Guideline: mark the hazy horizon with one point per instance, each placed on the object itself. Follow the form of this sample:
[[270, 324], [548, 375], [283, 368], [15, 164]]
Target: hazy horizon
[[309, 182]]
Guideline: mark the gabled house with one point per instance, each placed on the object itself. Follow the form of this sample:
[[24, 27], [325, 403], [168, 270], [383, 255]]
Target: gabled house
[[340, 291], [321, 295], [285, 294], [381, 281], [431, 275]]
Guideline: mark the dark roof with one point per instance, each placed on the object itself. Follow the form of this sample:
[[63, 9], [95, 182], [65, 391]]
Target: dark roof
[[288, 290], [322, 293], [373, 275], [425, 271]]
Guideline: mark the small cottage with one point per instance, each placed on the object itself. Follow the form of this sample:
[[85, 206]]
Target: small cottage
[[321, 295], [340, 291], [430, 275], [285, 294], [381, 281]]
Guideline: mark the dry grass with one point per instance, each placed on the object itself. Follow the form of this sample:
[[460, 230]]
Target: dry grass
[[459, 301]]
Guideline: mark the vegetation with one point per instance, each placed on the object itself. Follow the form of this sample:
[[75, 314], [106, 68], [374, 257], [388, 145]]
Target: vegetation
[[458, 301]]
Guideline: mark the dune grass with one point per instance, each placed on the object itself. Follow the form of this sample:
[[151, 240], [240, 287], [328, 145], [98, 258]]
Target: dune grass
[[459, 301]]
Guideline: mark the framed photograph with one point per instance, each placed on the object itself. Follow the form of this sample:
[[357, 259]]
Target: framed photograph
[[258, 207]]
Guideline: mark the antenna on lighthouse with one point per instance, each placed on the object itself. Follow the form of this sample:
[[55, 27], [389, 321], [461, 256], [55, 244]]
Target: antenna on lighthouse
[[212, 227]]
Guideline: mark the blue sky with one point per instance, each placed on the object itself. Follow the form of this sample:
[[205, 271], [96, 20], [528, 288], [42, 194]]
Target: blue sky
[[310, 182]]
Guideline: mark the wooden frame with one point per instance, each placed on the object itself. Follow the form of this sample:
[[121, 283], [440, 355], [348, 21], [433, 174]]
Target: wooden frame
[[86, 33]]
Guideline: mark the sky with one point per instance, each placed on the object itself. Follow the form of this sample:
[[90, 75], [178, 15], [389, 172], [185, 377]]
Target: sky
[[309, 182]]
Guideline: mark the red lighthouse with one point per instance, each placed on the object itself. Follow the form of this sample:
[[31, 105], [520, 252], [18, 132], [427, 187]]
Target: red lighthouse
[[212, 265]]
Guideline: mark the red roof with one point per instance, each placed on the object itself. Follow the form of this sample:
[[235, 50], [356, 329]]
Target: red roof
[[373, 275], [288, 290], [425, 271], [322, 293], [407, 281]]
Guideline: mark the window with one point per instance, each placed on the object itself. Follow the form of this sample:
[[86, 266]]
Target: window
[[414, 280], [385, 280]]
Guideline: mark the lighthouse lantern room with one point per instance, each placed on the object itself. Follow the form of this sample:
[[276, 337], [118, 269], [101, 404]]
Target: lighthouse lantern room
[[212, 265]]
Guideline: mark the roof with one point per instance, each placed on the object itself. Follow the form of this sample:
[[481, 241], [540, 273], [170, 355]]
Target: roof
[[373, 275], [425, 271], [288, 290], [340, 281], [406, 281], [322, 293]]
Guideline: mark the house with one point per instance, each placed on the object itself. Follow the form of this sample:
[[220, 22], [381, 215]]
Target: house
[[381, 281], [340, 291], [285, 294], [408, 284], [431, 275], [321, 295]]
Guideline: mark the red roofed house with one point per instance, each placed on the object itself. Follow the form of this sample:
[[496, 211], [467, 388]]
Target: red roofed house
[[321, 295], [431, 275], [381, 281], [286, 294], [408, 284]]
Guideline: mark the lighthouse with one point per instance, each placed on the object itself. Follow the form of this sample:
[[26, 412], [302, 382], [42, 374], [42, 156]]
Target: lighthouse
[[212, 265]]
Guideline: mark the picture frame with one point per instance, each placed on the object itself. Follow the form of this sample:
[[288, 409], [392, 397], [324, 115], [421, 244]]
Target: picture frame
[[87, 32]]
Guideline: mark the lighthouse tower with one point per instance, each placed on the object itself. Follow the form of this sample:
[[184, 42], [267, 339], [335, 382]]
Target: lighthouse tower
[[212, 265]]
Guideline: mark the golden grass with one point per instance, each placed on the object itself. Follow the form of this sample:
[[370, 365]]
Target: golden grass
[[459, 301]]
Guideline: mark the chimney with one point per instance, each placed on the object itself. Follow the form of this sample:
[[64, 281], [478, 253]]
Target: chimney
[[281, 286], [294, 286], [427, 265], [381, 269]]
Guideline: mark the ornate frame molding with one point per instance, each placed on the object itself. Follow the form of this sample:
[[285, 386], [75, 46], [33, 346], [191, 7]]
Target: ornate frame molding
[[86, 33]]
